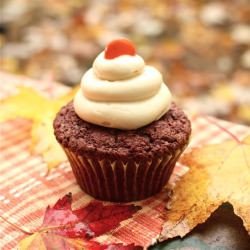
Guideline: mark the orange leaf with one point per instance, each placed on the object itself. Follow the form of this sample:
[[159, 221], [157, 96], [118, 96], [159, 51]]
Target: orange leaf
[[218, 173]]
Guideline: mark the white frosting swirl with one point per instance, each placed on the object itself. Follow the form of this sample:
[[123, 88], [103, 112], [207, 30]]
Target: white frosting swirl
[[122, 93], [119, 68]]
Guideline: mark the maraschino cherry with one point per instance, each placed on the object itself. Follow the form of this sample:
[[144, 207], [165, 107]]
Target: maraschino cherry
[[119, 47]]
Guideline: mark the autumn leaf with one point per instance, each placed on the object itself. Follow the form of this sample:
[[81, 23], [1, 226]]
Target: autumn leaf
[[29, 104], [64, 228], [218, 173]]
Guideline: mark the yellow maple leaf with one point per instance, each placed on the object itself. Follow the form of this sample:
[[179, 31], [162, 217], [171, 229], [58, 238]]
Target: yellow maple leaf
[[218, 173], [29, 104]]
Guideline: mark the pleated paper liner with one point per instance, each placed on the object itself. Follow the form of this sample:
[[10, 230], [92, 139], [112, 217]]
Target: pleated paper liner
[[121, 181]]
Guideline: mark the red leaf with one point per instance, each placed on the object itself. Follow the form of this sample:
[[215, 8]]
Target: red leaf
[[60, 214], [97, 246], [64, 203], [64, 228], [102, 219]]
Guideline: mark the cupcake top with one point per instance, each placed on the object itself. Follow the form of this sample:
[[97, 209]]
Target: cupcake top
[[120, 91], [161, 137]]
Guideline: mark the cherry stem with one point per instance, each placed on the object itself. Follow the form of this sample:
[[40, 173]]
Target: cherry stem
[[15, 226], [212, 121]]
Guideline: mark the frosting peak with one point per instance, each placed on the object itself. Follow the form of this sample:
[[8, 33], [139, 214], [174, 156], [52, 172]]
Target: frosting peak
[[122, 93], [119, 68]]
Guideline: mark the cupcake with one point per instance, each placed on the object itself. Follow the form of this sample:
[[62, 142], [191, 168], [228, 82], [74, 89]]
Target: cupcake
[[122, 133]]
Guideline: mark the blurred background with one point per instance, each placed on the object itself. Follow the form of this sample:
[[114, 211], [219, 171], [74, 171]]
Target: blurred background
[[201, 47]]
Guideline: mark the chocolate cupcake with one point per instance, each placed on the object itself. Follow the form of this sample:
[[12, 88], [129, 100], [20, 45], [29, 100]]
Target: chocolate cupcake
[[122, 133]]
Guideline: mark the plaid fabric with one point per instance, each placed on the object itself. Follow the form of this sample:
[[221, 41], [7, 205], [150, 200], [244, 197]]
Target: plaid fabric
[[25, 190]]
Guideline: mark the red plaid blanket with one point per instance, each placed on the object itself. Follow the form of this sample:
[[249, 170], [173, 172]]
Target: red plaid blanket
[[25, 190]]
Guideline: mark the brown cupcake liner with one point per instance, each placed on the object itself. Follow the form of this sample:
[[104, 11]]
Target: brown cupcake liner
[[122, 181]]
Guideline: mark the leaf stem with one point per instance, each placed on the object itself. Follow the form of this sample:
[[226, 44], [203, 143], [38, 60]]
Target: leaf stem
[[212, 121], [15, 226], [47, 171]]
